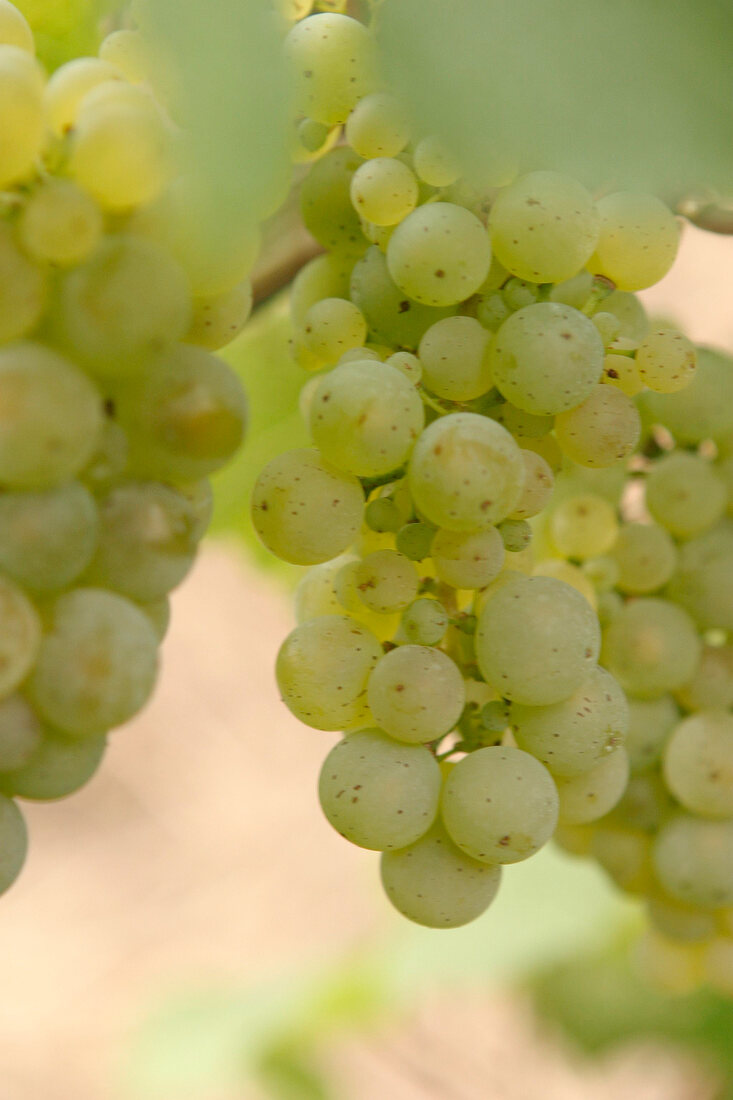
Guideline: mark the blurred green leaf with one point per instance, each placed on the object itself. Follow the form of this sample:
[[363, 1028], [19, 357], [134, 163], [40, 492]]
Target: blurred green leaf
[[634, 93]]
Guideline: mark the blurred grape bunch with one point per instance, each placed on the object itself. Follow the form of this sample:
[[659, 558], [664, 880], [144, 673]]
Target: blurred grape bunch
[[65, 28]]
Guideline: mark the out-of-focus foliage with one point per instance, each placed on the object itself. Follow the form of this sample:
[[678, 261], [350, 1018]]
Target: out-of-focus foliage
[[634, 93], [65, 28]]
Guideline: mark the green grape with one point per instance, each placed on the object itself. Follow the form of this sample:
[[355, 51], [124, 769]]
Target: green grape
[[425, 622], [698, 764], [185, 416], [638, 240], [495, 716], [537, 488], [440, 254], [646, 557], [325, 203], [544, 226], [574, 839], [365, 418], [434, 883], [522, 425], [325, 276], [13, 842], [573, 292], [703, 583], [416, 693], [415, 540], [454, 354], [537, 640], [646, 803], [468, 559], [602, 572], [608, 326], [583, 526], [568, 573], [625, 854], [58, 768], [488, 815], [347, 587], [20, 730], [466, 473], [377, 793], [24, 289], [627, 309], [47, 538], [704, 409], [14, 28], [693, 861], [109, 457], [59, 224], [127, 305], [572, 736], [322, 670], [50, 417], [384, 191], [358, 355], [608, 606], [392, 317], [593, 794], [311, 136], [623, 373], [332, 62], [126, 49], [159, 614], [21, 114], [491, 310], [651, 647], [377, 126], [666, 360], [650, 724], [217, 320], [387, 581], [333, 326], [97, 663], [677, 921], [685, 494], [408, 364], [377, 234], [547, 358], [314, 593], [601, 431], [67, 87], [434, 162], [711, 688], [518, 293], [382, 514]]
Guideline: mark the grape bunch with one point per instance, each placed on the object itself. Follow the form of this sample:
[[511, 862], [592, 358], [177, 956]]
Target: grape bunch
[[113, 409], [468, 341]]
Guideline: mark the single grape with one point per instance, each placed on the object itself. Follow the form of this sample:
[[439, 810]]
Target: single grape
[[646, 556], [13, 842], [601, 430], [333, 326], [468, 559], [693, 861], [59, 767], [651, 647], [593, 794], [425, 622], [434, 162], [416, 693], [325, 203], [537, 488], [711, 687], [666, 361], [218, 319], [377, 126], [60, 224], [583, 526], [392, 316], [332, 63], [638, 240], [48, 537], [384, 191], [23, 299], [454, 354], [685, 494], [20, 732], [440, 254], [21, 114], [698, 764], [386, 581]]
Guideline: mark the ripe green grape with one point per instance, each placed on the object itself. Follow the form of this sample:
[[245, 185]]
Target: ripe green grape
[[59, 224], [325, 276], [13, 842], [21, 114], [609, 327], [625, 854], [434, 162], [454, 354], [23, 299], [424, 622], [332, 61], [378, 793], [651, 647], [646, 556], [638, 240], [392, 317], [547, 358], [651, 721], [109, 457], [468, 559], [325, 203], [595, 792], [218, 319], [645, 804], [698, 763], [703, 410], [14, 28], [537, 488], [693, 861], [627, 309], [573, 292], [491, 310], [387, 581], [314, 593], [20, 638], [333, 326], [384, 191], [440, 254], [378, 126], [703, 582], [48, 537], [20, 732], [322, 671], [67, 87], [58, 768], [126, 50], [416, 693], [666, 360], [601, 431], [415, 540], [685, 494], [711, 688], [408, 364], [583, 526]]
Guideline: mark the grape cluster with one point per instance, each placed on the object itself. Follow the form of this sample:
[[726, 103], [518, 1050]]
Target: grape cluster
[[113, 411], [467, 342]]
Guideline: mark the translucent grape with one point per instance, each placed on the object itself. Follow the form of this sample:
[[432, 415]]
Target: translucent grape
[[630, 312], [651, 647], [47, 538], [325, 276], [387, 581], [408, 364], [58, 768], [60, 224], [491, 310], [572, 736], [322, 671], [333, 326], [544, 227], [347, 586], [499, 805], [440, 254], [468, 559], [593, 794], [454, 354], [698, 764], [434, 162], [622, 372], [425, 622], [601, 431], [434, 883], [537, 488], [126, 50], [646, 557], [573, 292], [547, 358], [20, 732], [21, 114], [693, 860], [331, 59], [382, 514], [14, 28], [13, 842], [325, 203], [466, 473], [583, 526], [415, 540], [666, 360], [711, 688], [69, 84], [522, 424], [384, 191], [518, 293], [516, 535], [217, 320], [391, 316], [416, 693], [703, 410], [378, 793], [685, 494], [314, 593], [650, 724], [638, 240], [377, 126], [537, 640]]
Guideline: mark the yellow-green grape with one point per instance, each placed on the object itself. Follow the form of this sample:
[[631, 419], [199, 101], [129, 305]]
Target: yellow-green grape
[[589, 796], [116, 93], [499, 805], [416, 693], [685, 494], [583, 526], [387, 581], [24, 290], [537, 488], [67, 87], [434, 883], [126, 50], [365, 418], [14, 28], [408, 364], [544, 227], [454, 354], [217, 320], [666, 360], [573, 292], [415, 540], [466, 473], [304, 510], [294, 10], [377, 234], [392, 318], [425, 622], [97, 663], [602, 572], [59, 224], [608, 605], [434, 162], [47, 538], [359, 355], [491, 310], [50, 417], [21, 636], [378, 126], [314, 594], [574, 839], [325, 276], [608, 325], [698, 763], [572, 736], [627, 309], [704, 409], [646, 803], [332, 62], [378, 793], [128, 304], [601, 431], [333, 326], [703, 582], [382, 514], [569, 574], [13, 842], [518, 293], [646, 557], [21, 114], [670, 966], [468, 559], [693, 861], [651, 647], [325, 203], [59, 767], [547, 448], [547, 358], [346, 588], [311, 137], [522, 424], [384, 191], [638, 240], [109, 457], [20, 732], [622, 372], [440, 254], [711, 688], [537, 640], [322, 670], [625, 855], [159, 615], [516, 535]]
